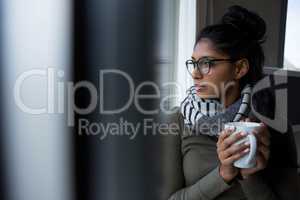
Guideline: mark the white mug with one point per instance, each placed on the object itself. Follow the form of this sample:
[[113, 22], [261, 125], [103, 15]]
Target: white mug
[[249, 159]]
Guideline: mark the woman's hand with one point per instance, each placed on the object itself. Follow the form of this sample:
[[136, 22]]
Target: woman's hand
[[229, 153], [263, 152]]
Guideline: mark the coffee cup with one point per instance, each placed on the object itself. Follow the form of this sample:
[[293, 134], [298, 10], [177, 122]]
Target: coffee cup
[[249, 159]]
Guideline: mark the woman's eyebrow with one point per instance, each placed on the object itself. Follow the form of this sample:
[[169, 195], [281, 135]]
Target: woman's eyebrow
[[201, 57]]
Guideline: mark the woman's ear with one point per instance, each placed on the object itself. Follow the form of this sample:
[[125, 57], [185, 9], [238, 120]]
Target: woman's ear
[[241, 68]]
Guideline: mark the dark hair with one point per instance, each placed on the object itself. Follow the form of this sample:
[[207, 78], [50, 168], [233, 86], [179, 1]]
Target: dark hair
[[239, 34]]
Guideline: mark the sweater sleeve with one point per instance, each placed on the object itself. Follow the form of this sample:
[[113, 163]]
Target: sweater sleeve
[[207, 188], [255, 188]]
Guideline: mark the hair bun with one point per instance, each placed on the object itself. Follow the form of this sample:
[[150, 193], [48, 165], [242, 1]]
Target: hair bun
[[251, 25]]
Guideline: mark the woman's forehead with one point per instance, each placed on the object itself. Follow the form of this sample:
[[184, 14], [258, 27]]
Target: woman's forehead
[[205, 48]]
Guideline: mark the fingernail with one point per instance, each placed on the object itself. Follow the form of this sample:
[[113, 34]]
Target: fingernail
[[243, 133], [229, 130], [246, 150], [246, 143]]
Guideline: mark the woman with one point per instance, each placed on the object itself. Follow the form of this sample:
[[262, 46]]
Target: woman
[[227, 61]]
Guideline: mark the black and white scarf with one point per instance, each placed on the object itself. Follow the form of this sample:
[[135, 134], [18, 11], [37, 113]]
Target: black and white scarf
[[196, 110]]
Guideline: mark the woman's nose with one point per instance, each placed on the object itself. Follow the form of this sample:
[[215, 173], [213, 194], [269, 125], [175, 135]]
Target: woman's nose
[[196, 74]]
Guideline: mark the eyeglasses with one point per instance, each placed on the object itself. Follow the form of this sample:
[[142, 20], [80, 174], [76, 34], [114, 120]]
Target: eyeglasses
[[203, 65]]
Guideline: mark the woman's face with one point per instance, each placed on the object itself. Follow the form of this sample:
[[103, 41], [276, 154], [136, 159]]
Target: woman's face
[[221, 74]]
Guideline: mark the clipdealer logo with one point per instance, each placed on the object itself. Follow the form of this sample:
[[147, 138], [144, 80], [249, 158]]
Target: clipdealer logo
[[57, 104], [61, 94]]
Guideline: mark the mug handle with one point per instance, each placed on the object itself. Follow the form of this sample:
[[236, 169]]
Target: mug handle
[[252, 141]]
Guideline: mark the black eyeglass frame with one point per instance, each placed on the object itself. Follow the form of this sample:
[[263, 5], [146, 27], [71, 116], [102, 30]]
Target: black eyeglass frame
[[196, 64]]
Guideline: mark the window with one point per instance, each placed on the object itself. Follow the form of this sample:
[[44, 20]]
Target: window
[[292, 38]]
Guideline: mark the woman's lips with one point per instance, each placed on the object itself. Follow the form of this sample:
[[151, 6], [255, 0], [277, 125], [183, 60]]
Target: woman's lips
[[200, 87]]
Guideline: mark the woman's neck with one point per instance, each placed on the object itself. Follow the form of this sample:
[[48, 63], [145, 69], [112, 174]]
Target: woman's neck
[[231, 96]]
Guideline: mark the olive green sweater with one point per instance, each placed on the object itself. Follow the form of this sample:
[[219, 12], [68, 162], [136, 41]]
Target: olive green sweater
[[194, 169]]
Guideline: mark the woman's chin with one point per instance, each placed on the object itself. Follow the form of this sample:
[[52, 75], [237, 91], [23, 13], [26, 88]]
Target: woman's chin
[[206, 95]]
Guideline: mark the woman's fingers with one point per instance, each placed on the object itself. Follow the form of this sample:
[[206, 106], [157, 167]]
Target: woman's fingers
[[235, 157], [264, 150], [223, 135], [261, 161], [263, 135], [228, 141], [234, 149], [262, 139], [247, 119], [228, 151]]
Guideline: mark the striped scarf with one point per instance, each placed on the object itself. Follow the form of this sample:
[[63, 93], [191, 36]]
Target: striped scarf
[[195, 109]]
